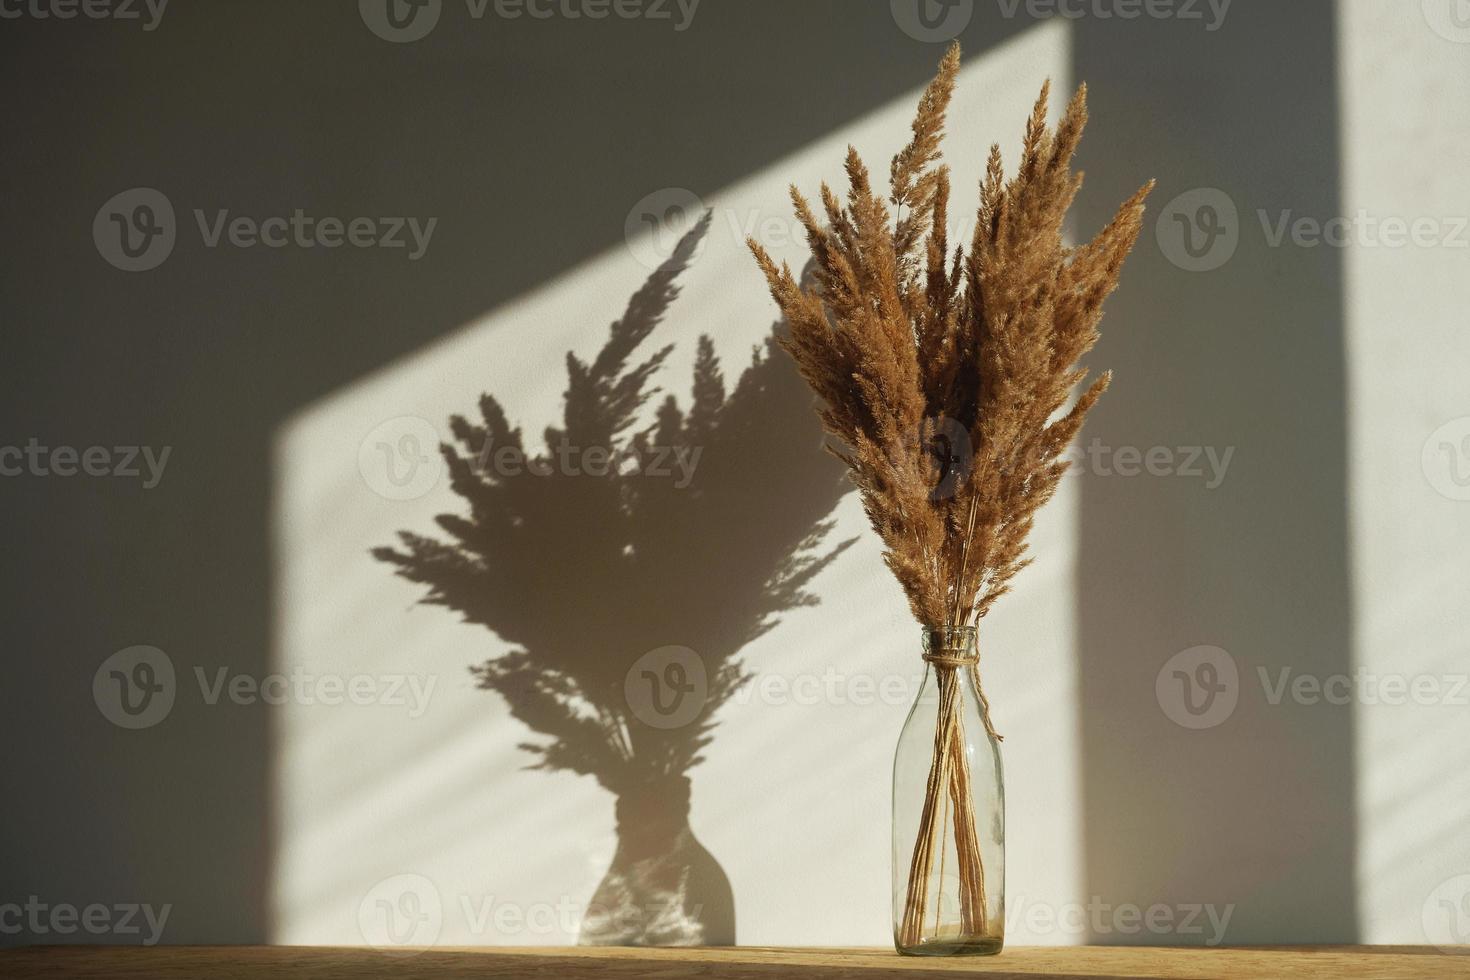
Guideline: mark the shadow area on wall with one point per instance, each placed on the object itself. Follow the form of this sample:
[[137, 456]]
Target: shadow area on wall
[[627, 565], [1252, 810]]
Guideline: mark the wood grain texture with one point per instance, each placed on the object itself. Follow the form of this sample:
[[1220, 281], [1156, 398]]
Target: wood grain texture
[[739, 963]]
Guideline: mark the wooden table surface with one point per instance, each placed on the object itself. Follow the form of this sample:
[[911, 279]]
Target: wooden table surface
[[320, 963]]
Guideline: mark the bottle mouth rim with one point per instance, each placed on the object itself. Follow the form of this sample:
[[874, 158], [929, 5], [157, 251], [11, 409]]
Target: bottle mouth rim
[[952, 646], [948, 636]]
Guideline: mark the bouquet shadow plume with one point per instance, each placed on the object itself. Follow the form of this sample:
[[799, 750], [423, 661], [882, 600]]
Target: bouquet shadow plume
[[947, 376], [627, 591]]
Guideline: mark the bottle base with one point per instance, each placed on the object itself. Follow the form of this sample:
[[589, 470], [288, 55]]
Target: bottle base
[[978, 946]]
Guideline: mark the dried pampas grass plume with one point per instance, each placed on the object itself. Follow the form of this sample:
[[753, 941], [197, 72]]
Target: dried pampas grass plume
[[905, 340], [946, 376]]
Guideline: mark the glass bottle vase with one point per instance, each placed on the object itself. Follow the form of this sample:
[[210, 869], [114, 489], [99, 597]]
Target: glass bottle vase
[[948, 810]]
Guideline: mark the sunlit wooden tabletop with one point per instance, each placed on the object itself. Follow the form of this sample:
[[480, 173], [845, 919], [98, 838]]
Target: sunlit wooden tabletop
[[318, 963]]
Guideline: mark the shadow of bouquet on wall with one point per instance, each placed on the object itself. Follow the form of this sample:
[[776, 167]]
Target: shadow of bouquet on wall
[[629, 566]]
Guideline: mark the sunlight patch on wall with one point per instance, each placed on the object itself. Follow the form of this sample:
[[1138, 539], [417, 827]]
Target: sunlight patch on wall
[[416, 804], [1407, 135]]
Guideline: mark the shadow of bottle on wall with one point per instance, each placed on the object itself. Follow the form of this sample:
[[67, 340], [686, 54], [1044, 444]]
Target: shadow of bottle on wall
[[628, 562]]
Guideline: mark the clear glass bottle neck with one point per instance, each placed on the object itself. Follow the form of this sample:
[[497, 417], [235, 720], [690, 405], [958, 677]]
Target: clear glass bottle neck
[[950, 646]]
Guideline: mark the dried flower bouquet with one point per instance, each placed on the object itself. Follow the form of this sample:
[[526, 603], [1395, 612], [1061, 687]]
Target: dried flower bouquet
[[910, 345]]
